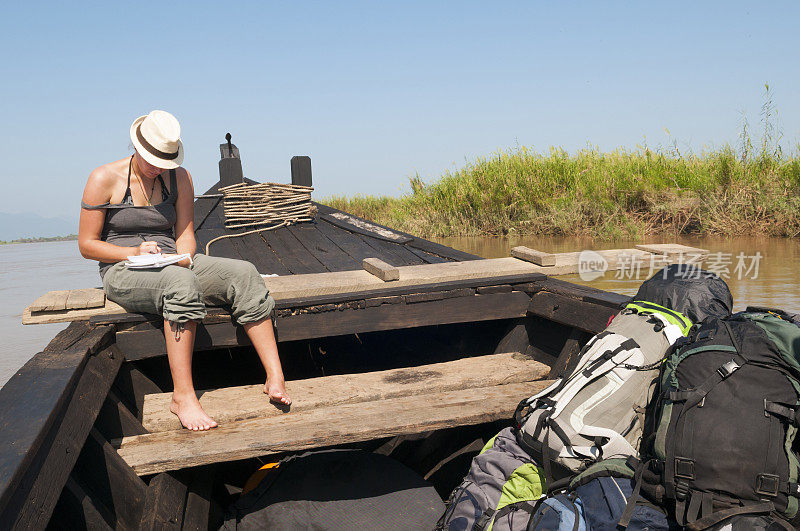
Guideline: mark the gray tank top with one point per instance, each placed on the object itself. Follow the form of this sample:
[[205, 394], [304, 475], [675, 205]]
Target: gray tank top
[[128, 225]]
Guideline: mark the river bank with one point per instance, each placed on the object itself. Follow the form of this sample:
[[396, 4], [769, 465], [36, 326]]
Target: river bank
[[67, 238], [608, 196]]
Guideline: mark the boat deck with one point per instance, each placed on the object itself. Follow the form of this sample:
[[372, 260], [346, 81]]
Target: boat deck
[[336, 409]]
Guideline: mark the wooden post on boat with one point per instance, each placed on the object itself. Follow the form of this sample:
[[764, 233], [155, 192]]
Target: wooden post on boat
[[230, 165], [301, 170]]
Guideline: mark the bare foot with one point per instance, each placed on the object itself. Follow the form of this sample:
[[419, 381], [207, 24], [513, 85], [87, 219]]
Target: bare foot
[[191, 414], [277, 393]]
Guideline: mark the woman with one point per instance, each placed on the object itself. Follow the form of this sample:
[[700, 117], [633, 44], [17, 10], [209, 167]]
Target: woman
[[145, 204]]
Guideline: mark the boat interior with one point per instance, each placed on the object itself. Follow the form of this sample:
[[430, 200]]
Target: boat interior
[[421, 355]]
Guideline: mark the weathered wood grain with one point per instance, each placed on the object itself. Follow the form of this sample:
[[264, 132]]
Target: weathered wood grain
[[146, 340], [32, 403], [85, 298], [571, 311], [674, 251], [198, 500], [240, 403], [325, 426], [51, 301], [112, 482], [164, 504], [380, 269], [311, 285], [35, 502], [533, 256]]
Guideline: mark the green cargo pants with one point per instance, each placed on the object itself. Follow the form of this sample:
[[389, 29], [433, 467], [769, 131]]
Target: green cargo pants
[[181, 294]]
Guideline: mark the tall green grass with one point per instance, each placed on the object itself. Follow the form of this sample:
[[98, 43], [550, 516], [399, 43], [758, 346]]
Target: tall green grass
[[603, 195], [621, 194]]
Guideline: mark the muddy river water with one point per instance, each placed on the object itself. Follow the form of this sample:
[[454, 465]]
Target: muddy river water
[[760, 272]]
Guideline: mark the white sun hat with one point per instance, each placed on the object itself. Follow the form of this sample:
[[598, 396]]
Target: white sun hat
[[157, 138]]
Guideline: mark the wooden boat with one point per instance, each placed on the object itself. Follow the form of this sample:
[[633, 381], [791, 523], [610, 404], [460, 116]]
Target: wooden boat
[[420, 368]]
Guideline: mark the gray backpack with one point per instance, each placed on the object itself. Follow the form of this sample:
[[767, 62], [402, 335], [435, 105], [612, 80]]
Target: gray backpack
[[597, 411], [500, 491]]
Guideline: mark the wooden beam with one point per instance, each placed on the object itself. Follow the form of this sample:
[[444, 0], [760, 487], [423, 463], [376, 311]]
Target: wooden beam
[[570, 311], [32, 405], [322, 427], [51, 301], [568, 356], [76, 510], [338, 283], [346, 283], [427, 246], [380, 269], [675, 251], [111, 481], [164, 504], [239, 403], [115, 420], [198, 500], [131, 385], [33, 506], [146, 340], [301, 170], [86, 298], [533, 256], [364, 227]]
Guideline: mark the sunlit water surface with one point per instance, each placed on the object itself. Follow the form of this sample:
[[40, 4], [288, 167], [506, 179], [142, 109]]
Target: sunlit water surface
[[776, 282], [28, 270]]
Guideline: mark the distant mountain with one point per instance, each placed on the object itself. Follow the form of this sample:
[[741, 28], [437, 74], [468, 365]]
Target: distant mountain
[[28, 225]]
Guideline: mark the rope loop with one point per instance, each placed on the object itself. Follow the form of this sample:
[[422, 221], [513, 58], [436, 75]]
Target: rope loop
[[268, 206]]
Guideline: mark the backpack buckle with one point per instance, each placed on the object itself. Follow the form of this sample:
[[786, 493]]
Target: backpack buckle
[[767, 484], [684, 468], [681, 490], [728, 368]]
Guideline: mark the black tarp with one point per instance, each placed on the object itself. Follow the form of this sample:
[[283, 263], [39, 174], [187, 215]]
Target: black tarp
[[696, 293], [338, 489]]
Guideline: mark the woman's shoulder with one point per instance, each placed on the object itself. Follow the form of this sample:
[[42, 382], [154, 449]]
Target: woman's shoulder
[[107, 175], [183, 179]]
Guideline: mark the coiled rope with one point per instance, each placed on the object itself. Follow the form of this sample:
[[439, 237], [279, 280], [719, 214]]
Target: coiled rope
[[268, 206]]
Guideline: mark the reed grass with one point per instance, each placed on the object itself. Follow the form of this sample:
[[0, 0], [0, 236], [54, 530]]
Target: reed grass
[[613, 195], [617, 195]]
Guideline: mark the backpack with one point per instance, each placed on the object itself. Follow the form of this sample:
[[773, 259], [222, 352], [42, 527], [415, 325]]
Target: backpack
[[337, 489], [500, 491], [748, 522], [688, 290], [596, 499], [598, 410], [726, 419]]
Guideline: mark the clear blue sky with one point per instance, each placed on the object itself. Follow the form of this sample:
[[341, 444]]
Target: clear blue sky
[[375, 91]]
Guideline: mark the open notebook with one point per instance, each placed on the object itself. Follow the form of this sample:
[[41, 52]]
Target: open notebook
[[146, 261]]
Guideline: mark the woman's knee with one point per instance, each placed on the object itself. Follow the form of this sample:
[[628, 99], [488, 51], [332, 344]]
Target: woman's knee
[[250, 301], [244, 272], [183, 297]]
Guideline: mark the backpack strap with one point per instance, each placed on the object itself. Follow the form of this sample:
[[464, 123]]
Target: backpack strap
[[492, 515], [717, 517], [789, 414], [693, 397], [633, 501]]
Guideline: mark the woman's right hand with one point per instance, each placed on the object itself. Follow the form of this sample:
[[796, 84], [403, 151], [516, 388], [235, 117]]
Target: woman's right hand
[[149, 248]]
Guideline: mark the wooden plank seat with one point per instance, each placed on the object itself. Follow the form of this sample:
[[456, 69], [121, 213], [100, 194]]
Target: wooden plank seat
[[339, 283], [335, 410]]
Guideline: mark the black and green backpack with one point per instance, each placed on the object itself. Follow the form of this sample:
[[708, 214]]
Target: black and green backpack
[[725, 420]]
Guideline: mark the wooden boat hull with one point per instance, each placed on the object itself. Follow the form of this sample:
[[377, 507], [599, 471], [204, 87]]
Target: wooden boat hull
[[76, 449]]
